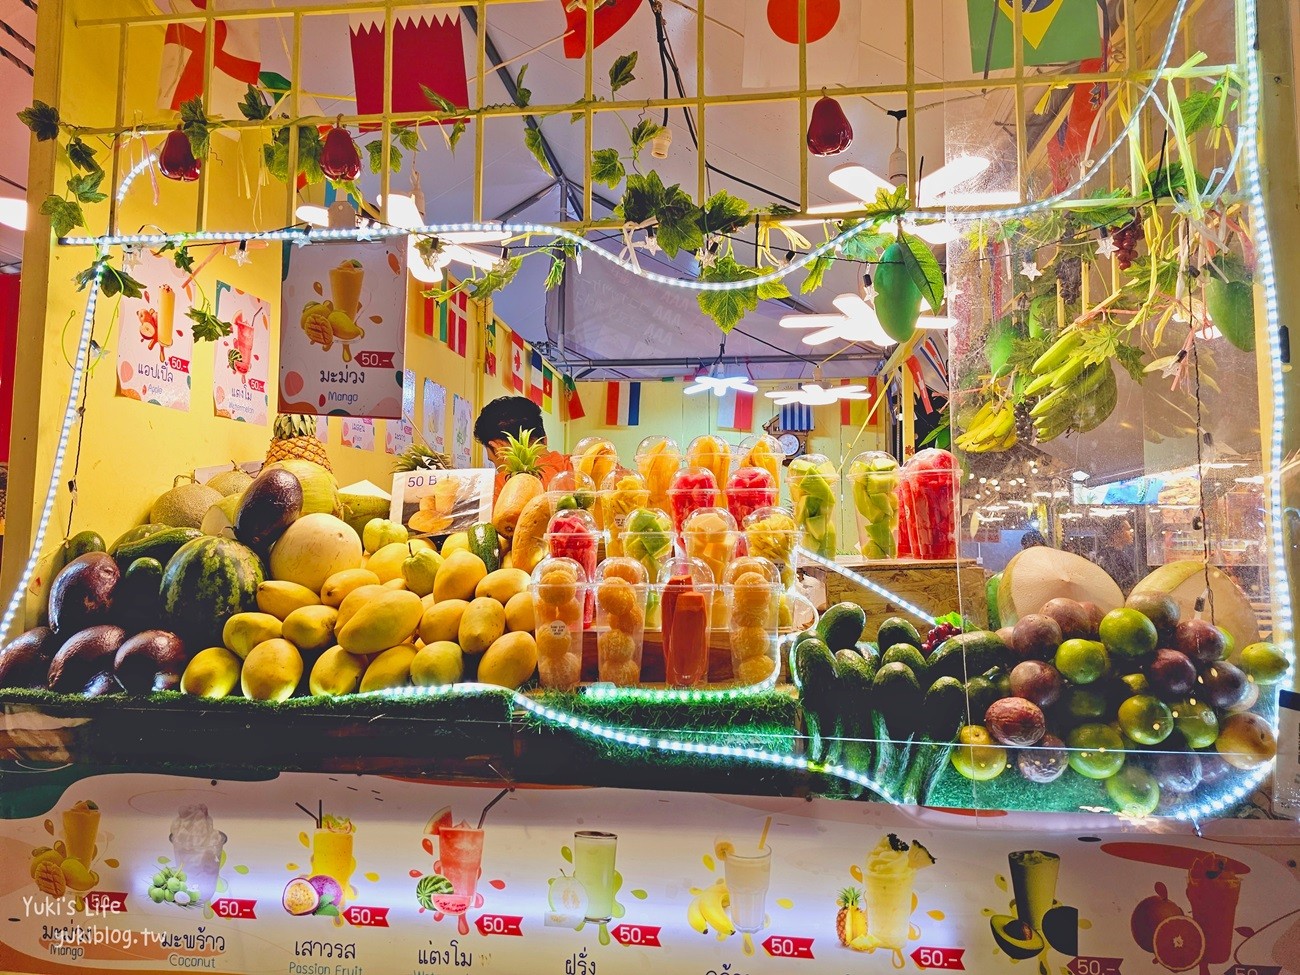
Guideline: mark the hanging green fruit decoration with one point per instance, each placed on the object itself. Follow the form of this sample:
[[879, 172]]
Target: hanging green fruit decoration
[[898, 299], [1230, 300]]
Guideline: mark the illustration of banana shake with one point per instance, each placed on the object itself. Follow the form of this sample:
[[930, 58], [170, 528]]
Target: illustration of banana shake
[[166, 320]]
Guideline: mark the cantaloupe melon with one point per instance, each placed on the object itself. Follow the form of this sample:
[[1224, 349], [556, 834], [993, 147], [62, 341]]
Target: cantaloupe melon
[[1229, 608], [1036, 575]]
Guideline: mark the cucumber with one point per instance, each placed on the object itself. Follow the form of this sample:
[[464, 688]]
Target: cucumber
[[81, 543], [160, 545], [138, 599], [484, 542], [134, 535]]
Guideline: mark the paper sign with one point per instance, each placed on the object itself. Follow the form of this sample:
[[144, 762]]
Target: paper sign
[[434, 417], [155, 344], [462, 424], [441, 502], [205, 474], [242, 358], [343, 328], [398, 436], [359, 432]]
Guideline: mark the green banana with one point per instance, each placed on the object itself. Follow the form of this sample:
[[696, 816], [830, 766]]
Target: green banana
[[1052, 401], [1057, 353], [1058, 377]]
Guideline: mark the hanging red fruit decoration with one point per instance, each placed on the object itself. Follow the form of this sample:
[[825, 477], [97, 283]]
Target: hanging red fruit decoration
[[829, 131], [340, 159], [176, 158]]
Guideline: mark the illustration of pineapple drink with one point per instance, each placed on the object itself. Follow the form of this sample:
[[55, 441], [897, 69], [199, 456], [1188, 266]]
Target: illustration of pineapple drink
[[345, 292], [887, 880], [166, 320]]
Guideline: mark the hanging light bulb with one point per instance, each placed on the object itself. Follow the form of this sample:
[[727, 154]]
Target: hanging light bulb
[[719, 381]]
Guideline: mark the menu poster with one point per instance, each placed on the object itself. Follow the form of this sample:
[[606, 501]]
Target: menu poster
[[399, 435], [359, 432], [343, 328], [242, 358], [434, 417], [155, 344], [431, 502], [462, 423]]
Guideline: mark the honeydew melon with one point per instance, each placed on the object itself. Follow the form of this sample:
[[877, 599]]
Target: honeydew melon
[[1039, 574], [1226, 607]]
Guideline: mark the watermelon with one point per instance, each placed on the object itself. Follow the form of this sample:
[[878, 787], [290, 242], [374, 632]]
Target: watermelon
[[207, 581]]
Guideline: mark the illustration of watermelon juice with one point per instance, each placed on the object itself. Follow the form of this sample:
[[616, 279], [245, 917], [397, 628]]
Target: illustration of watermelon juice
[[460, 855]]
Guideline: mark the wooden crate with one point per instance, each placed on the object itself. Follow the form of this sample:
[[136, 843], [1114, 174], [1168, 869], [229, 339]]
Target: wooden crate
[[933, 586]]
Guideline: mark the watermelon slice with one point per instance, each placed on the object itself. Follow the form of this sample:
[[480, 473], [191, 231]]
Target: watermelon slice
[[437, 821]]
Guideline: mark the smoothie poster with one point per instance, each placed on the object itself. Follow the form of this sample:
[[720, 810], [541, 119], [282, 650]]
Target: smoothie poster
[[434, 415], [343, 329], [242, 358], [155, 345], [317, 874], [359, 433], [398, 436], [462, 430]]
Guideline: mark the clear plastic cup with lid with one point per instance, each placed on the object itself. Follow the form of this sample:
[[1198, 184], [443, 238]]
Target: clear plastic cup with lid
[[692, 488], [713, 454], [814, 491], [748, 489], [762, 451], [621, 589], [933, 480], [874, 476], [595, 457], [622, 491], [559, 589], [753, 592], [773, 534], [573, 534], [649, 538], [657, 460], [710, 535], [569, 490]]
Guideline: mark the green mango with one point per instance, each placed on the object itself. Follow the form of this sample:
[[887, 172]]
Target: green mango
[[1231, 303], [898, 299]]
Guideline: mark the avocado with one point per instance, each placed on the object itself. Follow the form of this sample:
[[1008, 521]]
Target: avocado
[[944, 708], [897, 695], [905, 653], [841, 626], [1016, 938], [981, 691], [897, 630]]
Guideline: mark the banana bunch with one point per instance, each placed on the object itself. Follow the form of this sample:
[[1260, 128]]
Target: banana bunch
[[708, 909], [1074, 394], [991, 429]]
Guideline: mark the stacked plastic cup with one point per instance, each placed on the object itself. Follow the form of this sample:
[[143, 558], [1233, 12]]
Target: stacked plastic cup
[[771, 533], [559, 588], [657, 460], [714, 455], [933, 477], [620, 494], [873, 479], [748, 489], [569, 490], [764, 452], [814, 490], [649, 538], [753, 592], [621, 587], [595, 457], [572, 534], [692, 488]]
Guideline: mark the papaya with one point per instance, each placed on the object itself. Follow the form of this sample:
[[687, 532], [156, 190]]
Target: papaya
[[510, 503], [898, 299], [528, 546]]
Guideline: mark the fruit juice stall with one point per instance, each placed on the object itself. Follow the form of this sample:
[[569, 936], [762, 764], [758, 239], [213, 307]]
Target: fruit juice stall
[[267, 663]]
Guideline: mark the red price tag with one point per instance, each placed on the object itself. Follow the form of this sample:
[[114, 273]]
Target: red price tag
[[257, 386], [180, 365], [366, 917], [235, 908], [1254, 970], [637, 934], [779, 946], [375, 360], [1094, 965], [106, 902], [947, 958], [500, 924]]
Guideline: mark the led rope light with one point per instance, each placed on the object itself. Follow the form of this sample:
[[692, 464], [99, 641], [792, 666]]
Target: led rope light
[[135, 171], [866, 583]]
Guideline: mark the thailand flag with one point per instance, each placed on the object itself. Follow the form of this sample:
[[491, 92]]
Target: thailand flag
[[622, 404]]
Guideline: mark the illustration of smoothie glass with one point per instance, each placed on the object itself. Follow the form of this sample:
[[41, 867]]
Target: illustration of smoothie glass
[[196, 847], [1033, 884], [460, 857], [243, 346], [345, 292], [1212, 890], [887, 883], [80, 827], [331, 852], [748, 873], [593, 867], [166, 320]]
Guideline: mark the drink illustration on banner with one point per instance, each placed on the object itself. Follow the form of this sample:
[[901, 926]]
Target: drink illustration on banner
[[327, 888], [590, 893], [64, 868], [1038, 922], [240, 371], [198, 849], [736, 901], [452, 889], [155, 344]]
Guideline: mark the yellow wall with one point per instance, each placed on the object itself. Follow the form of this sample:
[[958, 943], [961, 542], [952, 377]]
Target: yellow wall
[[131, 450]]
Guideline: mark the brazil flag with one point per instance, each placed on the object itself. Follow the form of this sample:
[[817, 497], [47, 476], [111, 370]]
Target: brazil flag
[[1054, 31]]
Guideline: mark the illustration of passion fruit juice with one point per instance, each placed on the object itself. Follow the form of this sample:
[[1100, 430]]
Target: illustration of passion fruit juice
[[1212, 890], [331, 852]]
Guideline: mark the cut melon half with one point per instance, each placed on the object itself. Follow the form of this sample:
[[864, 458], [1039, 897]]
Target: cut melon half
[[1225, 605], [1037, 575]]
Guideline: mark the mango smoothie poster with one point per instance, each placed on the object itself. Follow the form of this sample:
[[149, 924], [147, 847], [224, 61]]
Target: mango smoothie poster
[[155, 345], [241, 369], [343, 329]]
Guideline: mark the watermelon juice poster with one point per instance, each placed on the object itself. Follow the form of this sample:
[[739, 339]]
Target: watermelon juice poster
[[240, 369], [155, 344], [343, 329]]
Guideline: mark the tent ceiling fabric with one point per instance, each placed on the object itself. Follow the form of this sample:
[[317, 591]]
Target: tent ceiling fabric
[[758, 143]]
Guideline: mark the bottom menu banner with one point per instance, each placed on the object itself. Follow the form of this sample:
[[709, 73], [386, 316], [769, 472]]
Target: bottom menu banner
[[307, 874]]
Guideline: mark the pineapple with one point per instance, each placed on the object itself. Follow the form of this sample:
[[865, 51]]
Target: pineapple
[[294, 437], [521, 455], [851, 921], [420, 457]]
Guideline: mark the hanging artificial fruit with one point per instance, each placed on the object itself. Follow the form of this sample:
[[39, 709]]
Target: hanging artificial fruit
[[829, 131], [340, 159], [176, 159], [898, 299]]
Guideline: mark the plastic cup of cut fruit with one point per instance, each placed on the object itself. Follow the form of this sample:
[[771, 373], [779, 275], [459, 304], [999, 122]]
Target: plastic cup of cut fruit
[[771, 533], [686, 593], [752, 590], [621, 587], [595, 457], [657, 460], [570, 490], [713, 454], [873, 480], [933, 481], [559, 589], [762, 451], [748, 489], [620, 494], [814, 491], [711, 536], [649, 538], [572, 534], [692, 488]]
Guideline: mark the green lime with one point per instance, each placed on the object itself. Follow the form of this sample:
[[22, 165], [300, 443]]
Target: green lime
[[1085, 704], [566, 503], [1096, 750], [1081, 661], [1196, 721], [1264, 663], [1128, 633], [976, 755], [1146, 719], [1137, 682], [1134, 791]]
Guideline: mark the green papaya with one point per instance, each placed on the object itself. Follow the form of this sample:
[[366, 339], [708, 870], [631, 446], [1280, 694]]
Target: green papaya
[[898, 299], [1230, 301]]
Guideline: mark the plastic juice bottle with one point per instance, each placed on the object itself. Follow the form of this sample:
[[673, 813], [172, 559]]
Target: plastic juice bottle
[[593, 867], [686, 657]]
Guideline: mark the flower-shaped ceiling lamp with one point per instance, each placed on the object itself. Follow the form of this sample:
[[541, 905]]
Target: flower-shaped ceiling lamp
[[405, 211], [855, 322], [719, 383], [815, 394]]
